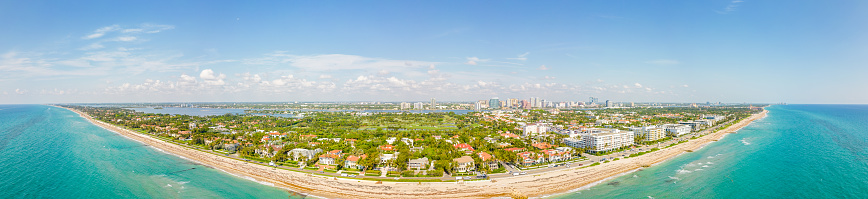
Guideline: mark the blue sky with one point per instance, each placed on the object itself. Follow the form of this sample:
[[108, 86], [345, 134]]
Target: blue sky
[[662, 51]]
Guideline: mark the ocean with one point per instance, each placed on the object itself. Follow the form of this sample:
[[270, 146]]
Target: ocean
[[49, 152], [797, 151]]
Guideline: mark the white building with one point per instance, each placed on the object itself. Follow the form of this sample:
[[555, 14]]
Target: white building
[[599, 140], [406, 105], [536, 128], [651, 133], [303, 154], [675, 130], [384, 158], [574, 142], [418, 105]]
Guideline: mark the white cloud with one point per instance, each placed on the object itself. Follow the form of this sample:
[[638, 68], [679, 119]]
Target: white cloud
[[101, 31], [543, 67], [126, 38], [731, 7], [521, 57], [57, 92], [93, 46], [663, 62], [325, 76], [638, 85], [547, 77], [20, 91], [335, 62], [685, 86], [155, 28], [474, 60], [210, 78], [146, 28]]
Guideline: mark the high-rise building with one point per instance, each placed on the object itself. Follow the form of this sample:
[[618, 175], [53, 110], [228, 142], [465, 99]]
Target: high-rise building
[[478, 105], [512, 102], [608, 103], [535, 102], [494, 103], [525, 104], [433, 104], [418, 105], [406, 105]]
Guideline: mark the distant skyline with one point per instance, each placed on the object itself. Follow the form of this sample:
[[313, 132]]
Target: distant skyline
[[642, 51]]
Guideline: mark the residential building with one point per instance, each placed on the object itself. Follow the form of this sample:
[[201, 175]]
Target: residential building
[[464, 147], [649, 133], [601, 140], [536, 128], [530, 158], [694, 125], [433, 104], [574, 142], [384, 158], [406, 105], [353, 161], [418, 164], [556, 155], [328, 159], [676, 130], [512, 102], [299, 154], [464, 164], [489, 160], [387, 148], [542, 145]]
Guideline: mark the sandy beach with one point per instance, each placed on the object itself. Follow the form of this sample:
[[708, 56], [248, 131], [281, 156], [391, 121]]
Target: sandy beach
[[553, 182]]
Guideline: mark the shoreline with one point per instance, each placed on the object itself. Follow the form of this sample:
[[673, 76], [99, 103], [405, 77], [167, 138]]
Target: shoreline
[[702, 145], [552, 183]]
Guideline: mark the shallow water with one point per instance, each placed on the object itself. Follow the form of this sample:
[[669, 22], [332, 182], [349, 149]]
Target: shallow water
[[798, 151], [49, 152]]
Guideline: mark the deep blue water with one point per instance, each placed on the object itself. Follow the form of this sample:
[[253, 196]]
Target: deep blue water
[[49, 152], [798, 151]]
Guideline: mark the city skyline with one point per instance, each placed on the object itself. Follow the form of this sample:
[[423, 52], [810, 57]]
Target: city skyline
[[716, 51]]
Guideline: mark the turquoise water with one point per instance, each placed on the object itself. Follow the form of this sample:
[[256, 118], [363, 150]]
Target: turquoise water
[[48, 152], [798, 151]]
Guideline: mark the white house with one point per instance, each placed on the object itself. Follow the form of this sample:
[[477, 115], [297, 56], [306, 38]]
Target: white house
[[676, 130]]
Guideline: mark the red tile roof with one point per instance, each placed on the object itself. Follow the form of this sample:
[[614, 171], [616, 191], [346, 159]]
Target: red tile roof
[[463, 146]]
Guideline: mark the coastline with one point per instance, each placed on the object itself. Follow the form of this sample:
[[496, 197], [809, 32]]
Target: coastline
[[540, 185]]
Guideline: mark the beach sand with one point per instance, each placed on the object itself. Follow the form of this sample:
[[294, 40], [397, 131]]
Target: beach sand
[[548, 183]]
